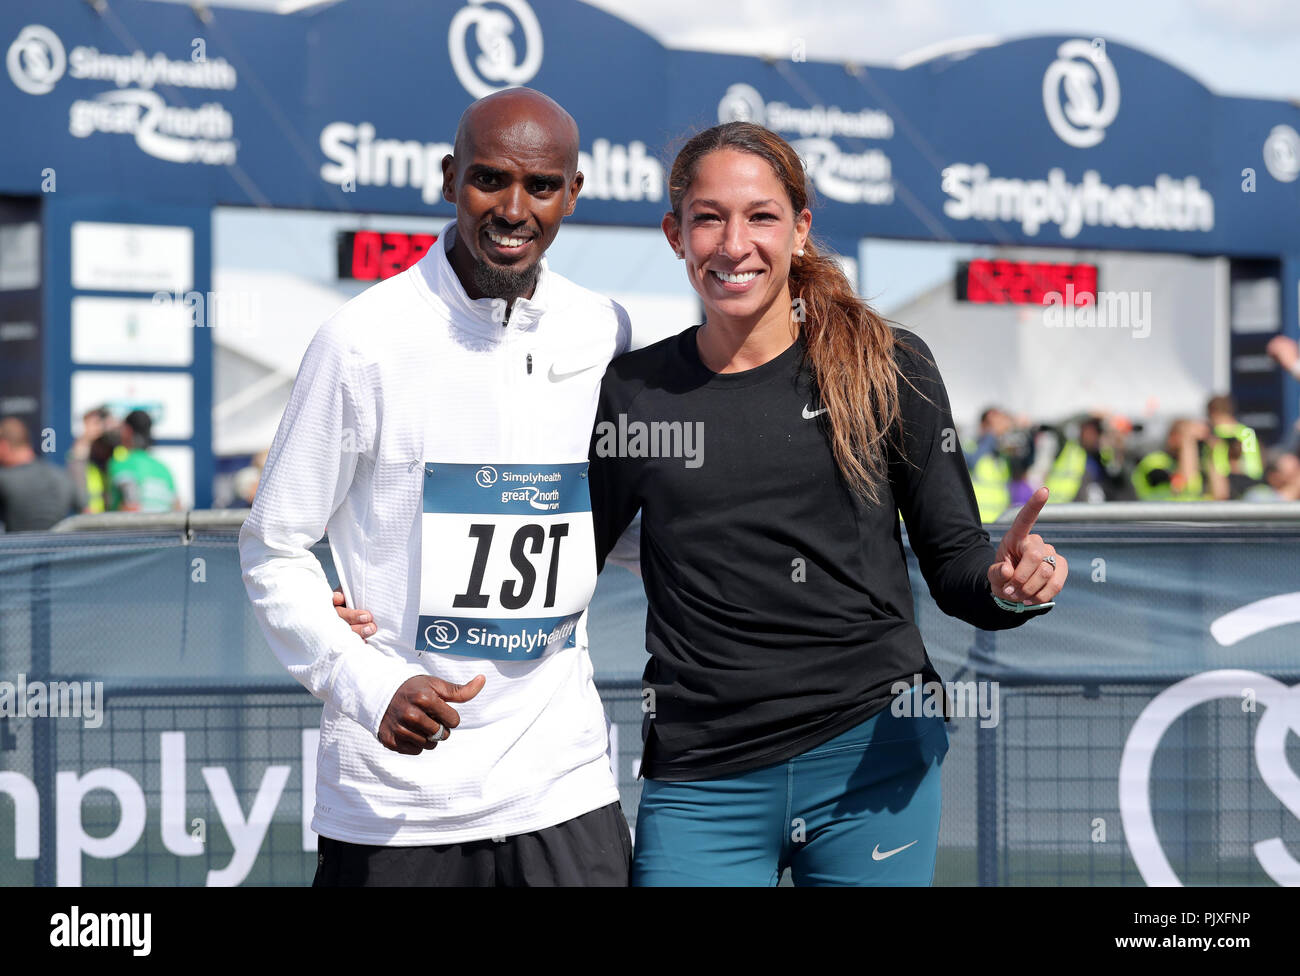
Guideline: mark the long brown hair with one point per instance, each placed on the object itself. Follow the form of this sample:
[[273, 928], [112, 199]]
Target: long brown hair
[[850, 347]]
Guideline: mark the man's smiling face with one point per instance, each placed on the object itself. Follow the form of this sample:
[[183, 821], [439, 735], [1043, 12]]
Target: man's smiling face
[[513, 179]]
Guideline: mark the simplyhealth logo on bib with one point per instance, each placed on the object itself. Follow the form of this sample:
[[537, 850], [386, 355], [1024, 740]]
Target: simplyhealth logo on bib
[[507, 559]]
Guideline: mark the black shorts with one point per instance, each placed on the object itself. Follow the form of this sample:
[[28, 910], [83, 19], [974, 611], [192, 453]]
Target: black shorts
[[593, 849]]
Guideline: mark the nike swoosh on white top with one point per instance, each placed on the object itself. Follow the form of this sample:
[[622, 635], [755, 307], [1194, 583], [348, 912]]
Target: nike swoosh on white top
[[559, 377], [878, 855], [809, 414]]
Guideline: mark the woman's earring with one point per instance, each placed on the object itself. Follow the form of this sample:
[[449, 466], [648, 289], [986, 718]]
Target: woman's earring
[[799, 253], [681, 255]]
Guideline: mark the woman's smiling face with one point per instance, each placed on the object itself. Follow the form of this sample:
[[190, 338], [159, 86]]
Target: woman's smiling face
[[737, 234]]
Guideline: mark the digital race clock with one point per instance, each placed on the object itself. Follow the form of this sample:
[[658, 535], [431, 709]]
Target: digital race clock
[[370, 255], [1024, 282]]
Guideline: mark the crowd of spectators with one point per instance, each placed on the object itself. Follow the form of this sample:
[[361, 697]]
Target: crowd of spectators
[[1098, 456], [108, 469]]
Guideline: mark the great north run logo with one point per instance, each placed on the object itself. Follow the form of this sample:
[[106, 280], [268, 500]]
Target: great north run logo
[[847, 177]]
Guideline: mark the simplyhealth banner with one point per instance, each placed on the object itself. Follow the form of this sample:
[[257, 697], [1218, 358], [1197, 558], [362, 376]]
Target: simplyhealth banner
[[148, 735], [1060, 140]]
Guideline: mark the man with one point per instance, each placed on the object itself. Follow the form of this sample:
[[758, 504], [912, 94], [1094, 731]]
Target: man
[[1286, 353], [138, 481], [989, 471], [88, 477], [1174, 473], [1281, 480], [1087, 468], [1226, 429], [34, 494], [439, 428]]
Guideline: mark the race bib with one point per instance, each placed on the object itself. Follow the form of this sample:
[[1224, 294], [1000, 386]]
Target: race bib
[[507, 559]]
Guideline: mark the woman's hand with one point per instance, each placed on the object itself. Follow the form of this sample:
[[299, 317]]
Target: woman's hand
[[1285, 350], [359, 620], [1021, 572]]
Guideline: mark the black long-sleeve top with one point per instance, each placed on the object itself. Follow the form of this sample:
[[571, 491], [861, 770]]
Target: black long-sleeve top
[[780, 612]]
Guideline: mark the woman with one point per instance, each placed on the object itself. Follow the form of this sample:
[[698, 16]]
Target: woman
[[780, 617]]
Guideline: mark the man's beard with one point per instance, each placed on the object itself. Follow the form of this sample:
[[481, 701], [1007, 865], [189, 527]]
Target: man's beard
[[496, 282]]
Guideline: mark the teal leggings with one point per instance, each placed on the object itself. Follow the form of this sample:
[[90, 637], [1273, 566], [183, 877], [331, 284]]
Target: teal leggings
[[861, 809]]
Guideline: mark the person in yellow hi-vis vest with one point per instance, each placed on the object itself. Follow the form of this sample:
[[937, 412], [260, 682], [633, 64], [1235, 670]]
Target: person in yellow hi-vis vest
[[95, 493], [88, 479], [1174, 473], [990, 474], [1222, 411], [104, 451], [1090, 467], [1066, 475]]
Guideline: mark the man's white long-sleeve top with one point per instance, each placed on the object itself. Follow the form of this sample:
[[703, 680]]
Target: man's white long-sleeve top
[[404, 393]]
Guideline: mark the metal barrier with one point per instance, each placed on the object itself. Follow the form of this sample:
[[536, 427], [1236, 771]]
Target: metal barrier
[[1167, 512]]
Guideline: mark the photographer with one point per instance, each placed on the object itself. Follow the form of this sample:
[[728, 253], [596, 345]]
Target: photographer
[[1174, 473]]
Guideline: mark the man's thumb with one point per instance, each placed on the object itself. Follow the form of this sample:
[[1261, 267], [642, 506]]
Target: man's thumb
[[461, 693]]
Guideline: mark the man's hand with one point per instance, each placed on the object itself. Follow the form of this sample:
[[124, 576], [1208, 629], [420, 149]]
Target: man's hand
[[358, 620], [419, 716], [1020, 572]]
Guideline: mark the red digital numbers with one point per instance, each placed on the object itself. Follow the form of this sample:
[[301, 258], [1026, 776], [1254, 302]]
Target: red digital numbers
[[1026, 283], [373, 255]]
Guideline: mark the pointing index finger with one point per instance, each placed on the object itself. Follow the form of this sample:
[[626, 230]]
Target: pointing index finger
[[1026, 517]]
